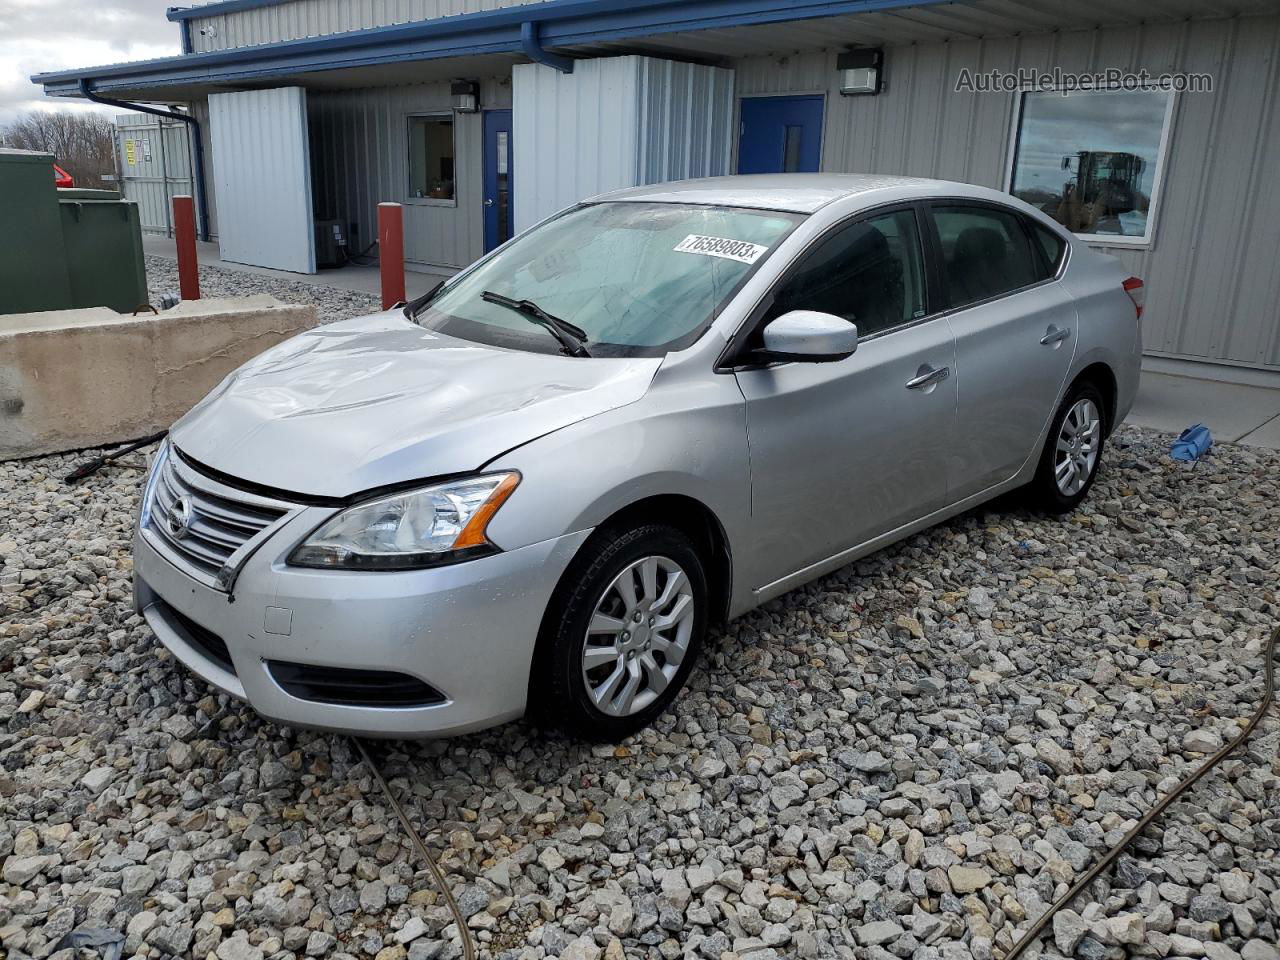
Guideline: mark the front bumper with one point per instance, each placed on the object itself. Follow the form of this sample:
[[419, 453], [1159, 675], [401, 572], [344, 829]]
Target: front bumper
[[467, 630]]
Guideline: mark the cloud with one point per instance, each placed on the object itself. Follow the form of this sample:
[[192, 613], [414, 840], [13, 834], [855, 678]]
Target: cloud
[[42, 35]]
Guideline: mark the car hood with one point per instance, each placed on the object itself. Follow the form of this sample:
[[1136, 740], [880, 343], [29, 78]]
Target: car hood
[[378, 400]]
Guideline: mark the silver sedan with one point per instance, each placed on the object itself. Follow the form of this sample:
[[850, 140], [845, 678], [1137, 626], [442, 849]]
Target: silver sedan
[[538, 488]]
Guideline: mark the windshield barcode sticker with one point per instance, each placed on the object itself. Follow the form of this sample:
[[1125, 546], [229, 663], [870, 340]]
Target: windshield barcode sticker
[[739, 250]]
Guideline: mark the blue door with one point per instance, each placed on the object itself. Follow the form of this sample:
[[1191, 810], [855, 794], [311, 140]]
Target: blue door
[[497, 178], [780, 135]]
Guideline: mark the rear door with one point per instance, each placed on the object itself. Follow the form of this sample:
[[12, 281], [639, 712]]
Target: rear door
[[1015, 330], [780, 135], [843, 452]]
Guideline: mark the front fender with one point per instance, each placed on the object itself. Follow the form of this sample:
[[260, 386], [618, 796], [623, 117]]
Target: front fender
[[687, 440]]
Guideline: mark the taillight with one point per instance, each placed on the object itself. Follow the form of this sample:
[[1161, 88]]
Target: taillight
[[1137, 293]]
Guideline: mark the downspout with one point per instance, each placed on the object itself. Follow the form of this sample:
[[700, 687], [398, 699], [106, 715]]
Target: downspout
[[534, 50], [197, 149], [185, 27]]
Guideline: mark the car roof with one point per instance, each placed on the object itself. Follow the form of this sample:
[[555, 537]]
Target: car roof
[[791, 192]]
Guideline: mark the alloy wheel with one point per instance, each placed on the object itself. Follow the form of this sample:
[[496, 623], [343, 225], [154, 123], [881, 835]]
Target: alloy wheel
[[638, 636], [1076, 450]]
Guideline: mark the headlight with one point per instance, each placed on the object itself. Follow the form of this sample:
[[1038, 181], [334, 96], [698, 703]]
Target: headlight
[[419, 528], [153, 477]]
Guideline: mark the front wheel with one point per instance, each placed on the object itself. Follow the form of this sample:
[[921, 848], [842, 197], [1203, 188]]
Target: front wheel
[[1072, 452], [622, 633]]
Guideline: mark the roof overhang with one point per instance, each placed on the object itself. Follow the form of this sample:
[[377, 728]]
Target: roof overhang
[[560, 23], [487, 42]]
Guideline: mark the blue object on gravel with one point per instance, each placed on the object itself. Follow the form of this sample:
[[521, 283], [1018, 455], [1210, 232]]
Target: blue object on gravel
[[1192, 443], [112, 940]]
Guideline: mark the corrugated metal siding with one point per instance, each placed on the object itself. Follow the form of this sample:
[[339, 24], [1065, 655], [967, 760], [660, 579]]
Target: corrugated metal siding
[[686, 117], [575, 134], [262, 167], [1213, 284], [360, 157], [613, 123], [152, 184], [316, 18]]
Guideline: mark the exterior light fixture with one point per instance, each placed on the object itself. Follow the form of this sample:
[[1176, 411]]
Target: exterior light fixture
[[466, 96], [861, 72]]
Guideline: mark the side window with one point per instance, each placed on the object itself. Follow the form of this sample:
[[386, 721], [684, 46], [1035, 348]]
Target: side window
[[870, 273], [984, 253], [1050, 244], [431, 153]]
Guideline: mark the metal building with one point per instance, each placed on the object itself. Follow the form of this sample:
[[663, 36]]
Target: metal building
[[155, 166], [482, 116]]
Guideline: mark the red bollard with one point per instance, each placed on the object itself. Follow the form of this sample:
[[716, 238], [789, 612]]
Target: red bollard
[[184, 234], [391, 253]]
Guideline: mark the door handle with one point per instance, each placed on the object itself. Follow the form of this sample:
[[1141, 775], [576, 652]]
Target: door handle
[[1055, 335], [927, 376], [488, 201]]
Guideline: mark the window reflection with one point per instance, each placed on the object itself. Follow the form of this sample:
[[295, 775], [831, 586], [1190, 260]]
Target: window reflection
[[1091, 159]]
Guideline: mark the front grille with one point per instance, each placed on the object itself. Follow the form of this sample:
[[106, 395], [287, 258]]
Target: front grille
[[353, 688], [200, 527], [206, 641]]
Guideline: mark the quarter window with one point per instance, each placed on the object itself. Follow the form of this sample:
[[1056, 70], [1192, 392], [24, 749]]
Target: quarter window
[[985, 253], [1050, 244], [869, 273], [431, 155], [1092, 159]]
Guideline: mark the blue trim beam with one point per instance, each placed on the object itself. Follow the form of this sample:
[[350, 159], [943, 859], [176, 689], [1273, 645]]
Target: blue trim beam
[[560, 23]]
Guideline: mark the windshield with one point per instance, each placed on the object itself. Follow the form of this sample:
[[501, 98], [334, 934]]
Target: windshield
[[639, 279]]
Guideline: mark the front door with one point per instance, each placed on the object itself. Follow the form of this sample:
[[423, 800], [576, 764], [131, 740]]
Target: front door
[[780, 135], [497, 178], [844, 452]]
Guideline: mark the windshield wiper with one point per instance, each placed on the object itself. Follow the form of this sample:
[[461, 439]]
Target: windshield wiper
[[412, 308], [571, 337]]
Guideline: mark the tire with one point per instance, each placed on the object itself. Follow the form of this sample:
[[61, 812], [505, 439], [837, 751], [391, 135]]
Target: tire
[[1072, 452], [589, 702]]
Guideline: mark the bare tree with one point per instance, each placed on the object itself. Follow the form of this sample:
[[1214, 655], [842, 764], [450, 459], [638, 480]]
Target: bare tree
[[83, 144]]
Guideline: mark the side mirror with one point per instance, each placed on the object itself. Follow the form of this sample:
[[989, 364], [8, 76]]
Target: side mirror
[[807, 336]]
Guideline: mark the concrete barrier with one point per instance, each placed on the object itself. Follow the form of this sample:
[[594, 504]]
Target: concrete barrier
[[85, 378]]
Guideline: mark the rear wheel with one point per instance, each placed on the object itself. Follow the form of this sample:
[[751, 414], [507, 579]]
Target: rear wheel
[[1072, 452], [622, 633]]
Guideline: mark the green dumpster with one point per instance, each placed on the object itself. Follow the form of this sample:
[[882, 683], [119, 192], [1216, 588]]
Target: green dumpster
[[103, 240], [33, 259]]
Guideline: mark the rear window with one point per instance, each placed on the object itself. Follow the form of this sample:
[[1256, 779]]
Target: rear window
[[985, 253], [1050, 244]]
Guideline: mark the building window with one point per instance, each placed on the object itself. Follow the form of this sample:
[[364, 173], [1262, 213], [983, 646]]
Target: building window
[[431, 153], [1093, 160]]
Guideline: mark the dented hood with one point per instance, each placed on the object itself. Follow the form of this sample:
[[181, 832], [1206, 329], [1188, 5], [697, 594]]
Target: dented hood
[[378, 400]]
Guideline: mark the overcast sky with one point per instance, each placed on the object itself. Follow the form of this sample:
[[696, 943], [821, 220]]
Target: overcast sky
[[40, 35]]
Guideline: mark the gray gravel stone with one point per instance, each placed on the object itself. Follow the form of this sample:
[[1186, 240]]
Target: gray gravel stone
[[826, 773], [878, 932], [1259, 950], [1068, 930]]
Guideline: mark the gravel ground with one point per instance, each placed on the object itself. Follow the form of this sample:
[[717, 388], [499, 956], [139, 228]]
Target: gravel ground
[[909, 758], [333, 304]]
